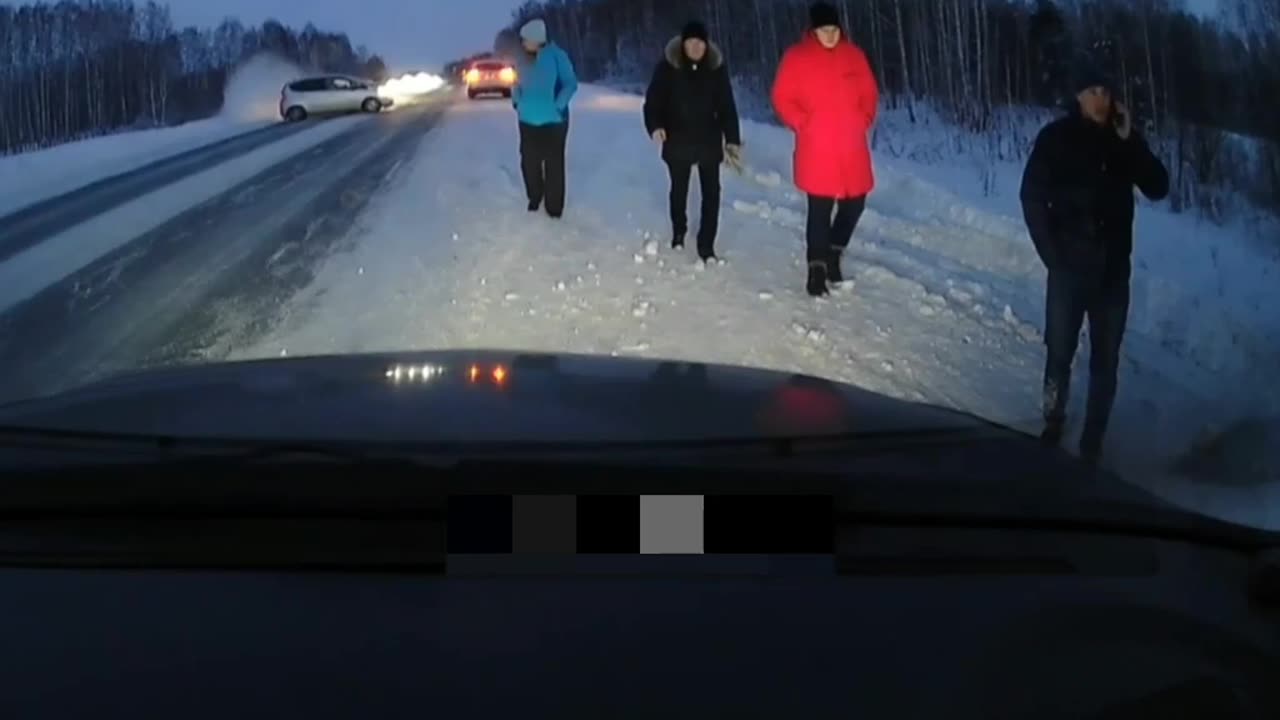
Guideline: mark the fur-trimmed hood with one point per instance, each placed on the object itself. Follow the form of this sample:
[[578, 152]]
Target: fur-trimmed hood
[[674, 54]]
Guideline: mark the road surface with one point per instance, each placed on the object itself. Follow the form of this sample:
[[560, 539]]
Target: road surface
[[217, 273]]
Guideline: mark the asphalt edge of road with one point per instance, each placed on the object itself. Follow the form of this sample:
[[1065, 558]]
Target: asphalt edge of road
[[357, 181], [354, 190]]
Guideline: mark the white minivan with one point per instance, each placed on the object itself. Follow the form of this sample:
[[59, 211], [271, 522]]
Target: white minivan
[[330, 94]]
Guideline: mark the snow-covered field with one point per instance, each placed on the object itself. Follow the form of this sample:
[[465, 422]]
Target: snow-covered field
[[945, 303]]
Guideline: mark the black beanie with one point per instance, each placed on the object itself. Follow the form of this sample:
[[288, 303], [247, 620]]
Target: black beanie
[[1087, 74], [823, 14], [694, 29]]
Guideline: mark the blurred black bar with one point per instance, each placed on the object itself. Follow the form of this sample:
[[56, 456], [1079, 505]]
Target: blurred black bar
[[773, 524], [608, 524], [479, 524], [544, 524]]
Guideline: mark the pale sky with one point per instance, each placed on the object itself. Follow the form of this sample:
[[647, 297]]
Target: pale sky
[[409, 34]]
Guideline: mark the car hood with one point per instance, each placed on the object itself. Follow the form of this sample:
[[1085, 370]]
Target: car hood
[[488, 396], [622, 410]]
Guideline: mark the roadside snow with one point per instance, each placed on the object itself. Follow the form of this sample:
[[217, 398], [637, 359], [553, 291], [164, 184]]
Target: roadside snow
[[54, 258], [31, 177], [250, 101], [944, 303]]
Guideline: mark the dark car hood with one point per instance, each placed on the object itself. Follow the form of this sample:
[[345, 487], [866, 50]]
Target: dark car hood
[[468, 397], [470, 402]]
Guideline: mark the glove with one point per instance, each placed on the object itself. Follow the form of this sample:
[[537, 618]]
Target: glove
[[733, 158]]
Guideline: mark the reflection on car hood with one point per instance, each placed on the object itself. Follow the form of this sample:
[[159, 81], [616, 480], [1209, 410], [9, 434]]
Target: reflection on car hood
[[483, 396], [471, 402]]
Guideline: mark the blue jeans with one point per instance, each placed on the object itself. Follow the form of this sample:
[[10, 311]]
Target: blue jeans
[[1071, 297]]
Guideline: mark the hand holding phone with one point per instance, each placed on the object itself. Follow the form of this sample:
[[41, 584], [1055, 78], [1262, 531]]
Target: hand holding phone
[[1121, 120]]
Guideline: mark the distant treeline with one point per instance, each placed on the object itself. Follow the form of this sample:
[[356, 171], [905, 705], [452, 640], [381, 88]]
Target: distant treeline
[[84, 68], [1206, 88]]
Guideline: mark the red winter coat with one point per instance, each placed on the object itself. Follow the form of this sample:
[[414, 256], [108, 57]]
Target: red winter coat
[[829, 98]]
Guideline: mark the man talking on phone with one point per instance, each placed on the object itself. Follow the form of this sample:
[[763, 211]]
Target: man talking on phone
[[1077, 199]]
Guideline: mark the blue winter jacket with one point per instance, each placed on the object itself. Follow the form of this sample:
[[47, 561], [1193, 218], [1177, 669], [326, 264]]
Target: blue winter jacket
[[544, 85]]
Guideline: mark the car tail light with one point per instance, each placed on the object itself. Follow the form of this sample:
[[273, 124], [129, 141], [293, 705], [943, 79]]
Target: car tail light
[[507, 75], [473, 75]]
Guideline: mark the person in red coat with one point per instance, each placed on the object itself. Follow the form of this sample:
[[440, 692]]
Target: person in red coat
[[826, 93]]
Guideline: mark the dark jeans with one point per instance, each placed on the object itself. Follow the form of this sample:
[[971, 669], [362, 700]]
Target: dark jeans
[[1072, 297], [823, 233], [709, 179], [542, 163]]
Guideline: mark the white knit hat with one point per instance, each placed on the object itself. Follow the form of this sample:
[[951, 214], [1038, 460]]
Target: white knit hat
[[534, 31]]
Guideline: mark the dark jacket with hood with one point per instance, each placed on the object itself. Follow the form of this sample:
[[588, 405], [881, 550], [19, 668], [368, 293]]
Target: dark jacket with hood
[[1077, 196], [694, 103]]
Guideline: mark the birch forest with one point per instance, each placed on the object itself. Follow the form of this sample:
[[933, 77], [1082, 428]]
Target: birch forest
[[1204, 88]]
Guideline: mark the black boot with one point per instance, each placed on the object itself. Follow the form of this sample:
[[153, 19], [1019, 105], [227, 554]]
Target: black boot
[[817, 285], [1053, 405], [1091, 444], [677, 241], [706, 249], [533, 205], [834, 275], [1051, 436]]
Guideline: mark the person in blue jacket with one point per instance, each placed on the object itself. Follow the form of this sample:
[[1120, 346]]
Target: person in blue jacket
[[545, 83]]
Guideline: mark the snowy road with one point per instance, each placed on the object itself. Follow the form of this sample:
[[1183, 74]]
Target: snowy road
[[158, 297], [30, 225]]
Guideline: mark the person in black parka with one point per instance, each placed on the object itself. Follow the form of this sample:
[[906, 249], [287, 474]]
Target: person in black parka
[[1077, 200], [690, 111]]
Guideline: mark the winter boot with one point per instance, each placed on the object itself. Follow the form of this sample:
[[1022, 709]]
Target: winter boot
[[834, 276], [817, 285], [1053, 403], [1090, 445], [533, 205], [677, 241], [1051, 436], [706, 251], [1091, 454]]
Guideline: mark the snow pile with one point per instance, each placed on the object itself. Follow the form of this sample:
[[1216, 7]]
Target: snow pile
[[944, 301], [252, 92]]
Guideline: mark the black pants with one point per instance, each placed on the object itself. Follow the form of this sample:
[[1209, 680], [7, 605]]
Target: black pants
[[824, 233], [1071, 297], [542, 163], [709, 179]]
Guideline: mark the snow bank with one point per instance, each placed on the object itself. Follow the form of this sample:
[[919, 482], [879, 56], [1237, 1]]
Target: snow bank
[[251, 101], [944, 303], [38, 267], [31, 177]]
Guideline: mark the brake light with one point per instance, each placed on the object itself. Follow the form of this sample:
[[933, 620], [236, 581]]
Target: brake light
[[507, 75], [473, 75]]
